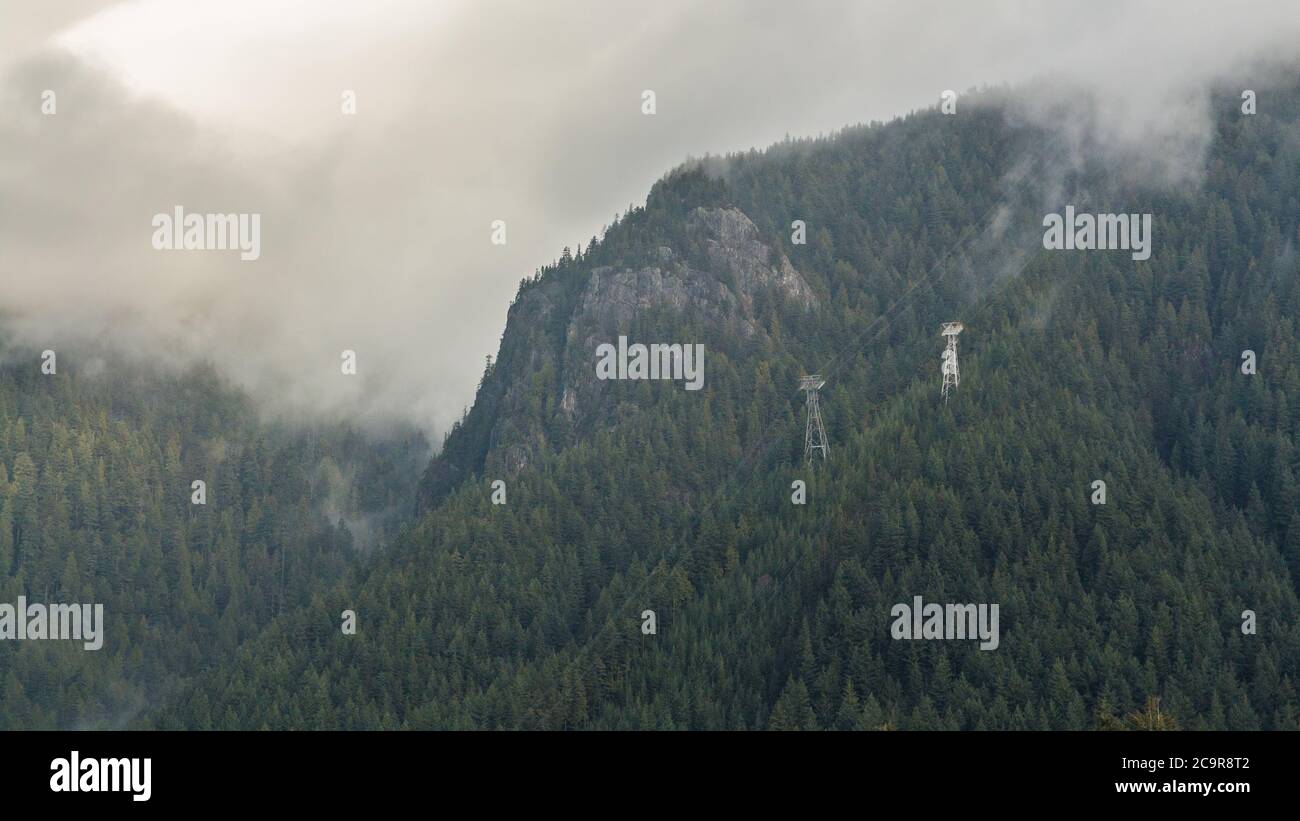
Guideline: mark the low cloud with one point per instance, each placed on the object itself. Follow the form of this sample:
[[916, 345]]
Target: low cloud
[[376, 227]]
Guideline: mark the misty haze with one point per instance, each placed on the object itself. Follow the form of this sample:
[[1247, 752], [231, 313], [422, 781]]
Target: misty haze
[[611, 366]]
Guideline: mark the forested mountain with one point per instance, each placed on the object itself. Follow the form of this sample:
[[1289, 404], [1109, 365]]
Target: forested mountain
[[97, 462], [625, 496]]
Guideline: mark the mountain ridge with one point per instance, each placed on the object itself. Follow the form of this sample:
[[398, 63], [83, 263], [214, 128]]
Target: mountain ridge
[[1076, 367]]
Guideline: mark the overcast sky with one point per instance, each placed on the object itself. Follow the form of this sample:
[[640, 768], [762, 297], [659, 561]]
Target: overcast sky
[[376, 227]]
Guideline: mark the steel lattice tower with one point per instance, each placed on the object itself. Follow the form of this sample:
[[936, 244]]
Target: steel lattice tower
[[814, 437], [951, 376]]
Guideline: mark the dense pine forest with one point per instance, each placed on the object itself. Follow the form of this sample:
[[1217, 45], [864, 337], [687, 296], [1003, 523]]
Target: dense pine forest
[[624, 496], [97, 462]]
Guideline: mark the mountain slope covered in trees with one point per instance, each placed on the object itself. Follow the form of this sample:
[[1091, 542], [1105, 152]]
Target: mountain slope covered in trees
[[97, 462], [626, 496]]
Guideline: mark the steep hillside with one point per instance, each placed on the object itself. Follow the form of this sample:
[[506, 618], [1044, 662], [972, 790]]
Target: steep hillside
[[97, 462], [716, 277], [624, 496]]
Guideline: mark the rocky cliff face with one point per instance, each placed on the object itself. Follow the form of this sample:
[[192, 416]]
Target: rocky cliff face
[[544, 388]]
